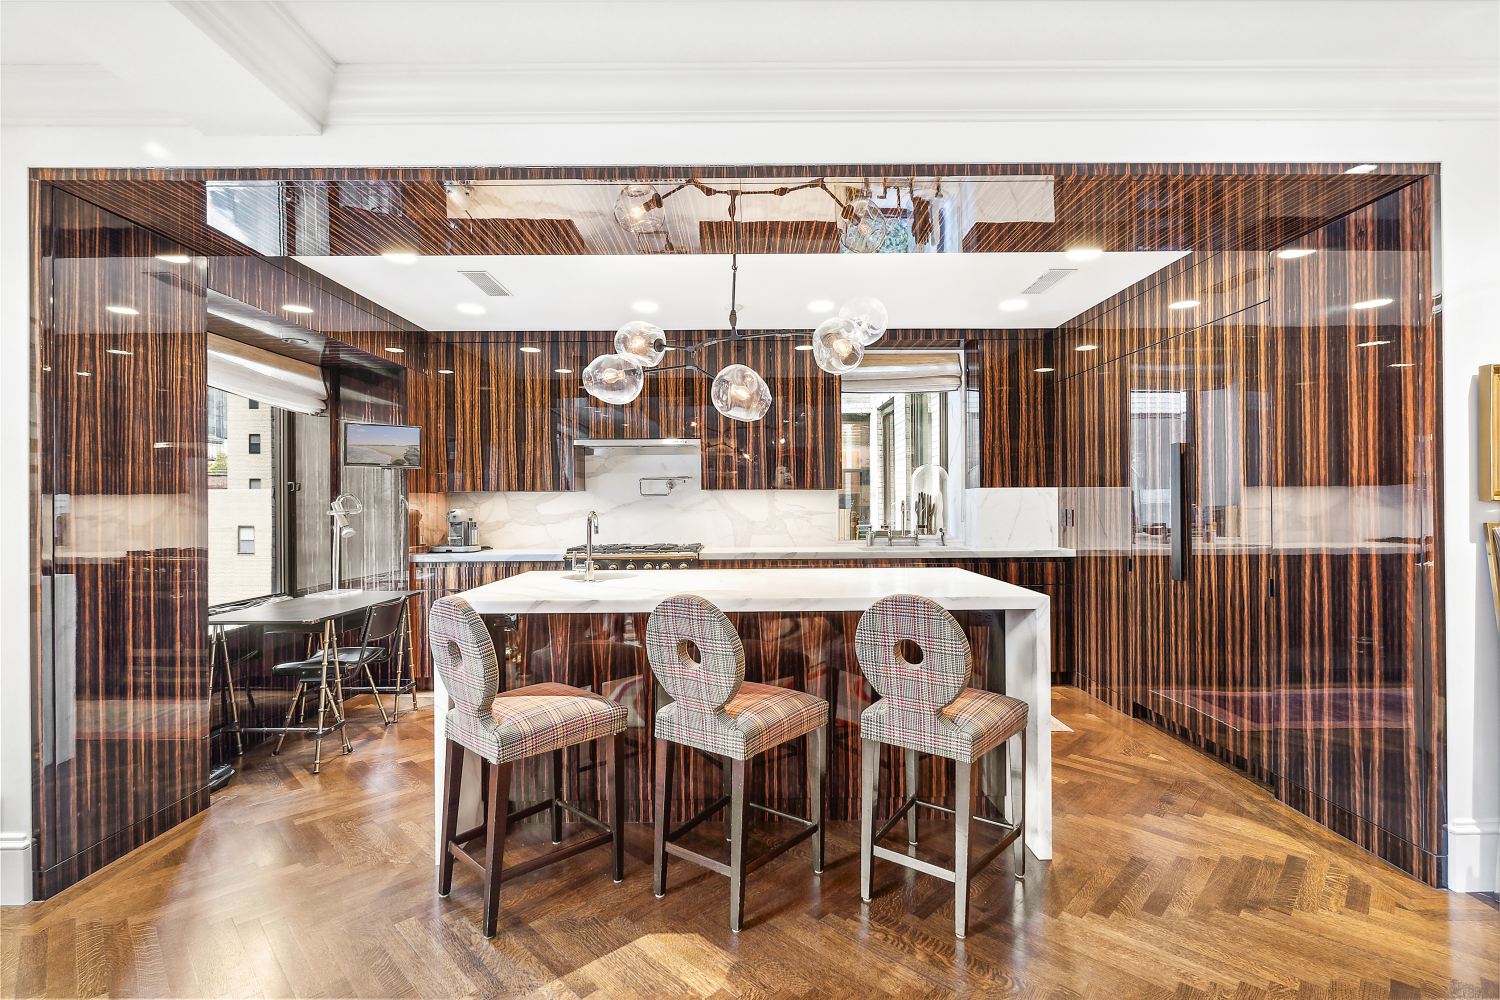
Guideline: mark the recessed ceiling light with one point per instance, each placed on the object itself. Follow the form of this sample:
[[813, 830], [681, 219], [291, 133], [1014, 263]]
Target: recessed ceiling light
[[563, 371], [162, 444], [644, 307], [1371, 303], [1372, 343], [531, 350], [471, 309], [1086, 347], [293, 340], [112, 350], [445, 371], [783, 440], [1084, 253], [84, 374], [400, 258], [123, 310], [820, 305], [396, 350], [1184, 304], [1294, 254], [1012, 305], [1363, 168], [174, 258], [1043, 369], [46, 368], [293, 307], [1404, 364], [804, 347]]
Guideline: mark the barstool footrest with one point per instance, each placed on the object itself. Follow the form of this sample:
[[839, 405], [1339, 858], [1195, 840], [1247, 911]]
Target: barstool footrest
[[718, 804], [712, 864], [918, 864], [952, 812]]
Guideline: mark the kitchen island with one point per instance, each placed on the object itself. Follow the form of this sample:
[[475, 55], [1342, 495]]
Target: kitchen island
[[1018, 660]]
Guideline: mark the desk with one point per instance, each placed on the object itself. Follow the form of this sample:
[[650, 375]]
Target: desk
[[1024, 615], [313, 613]]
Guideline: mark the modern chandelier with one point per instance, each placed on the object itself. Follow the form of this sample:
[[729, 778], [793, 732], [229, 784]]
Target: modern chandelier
[[738, 392]]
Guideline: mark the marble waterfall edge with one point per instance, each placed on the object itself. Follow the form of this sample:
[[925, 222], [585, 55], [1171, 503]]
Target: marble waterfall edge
[[790, 518]]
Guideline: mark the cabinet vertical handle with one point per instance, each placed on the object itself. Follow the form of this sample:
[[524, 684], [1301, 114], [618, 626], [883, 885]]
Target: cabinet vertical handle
[[1181, 523]]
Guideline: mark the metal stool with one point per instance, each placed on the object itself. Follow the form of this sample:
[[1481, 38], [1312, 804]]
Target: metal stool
[[917, 658], [503, 728], [697, 658]]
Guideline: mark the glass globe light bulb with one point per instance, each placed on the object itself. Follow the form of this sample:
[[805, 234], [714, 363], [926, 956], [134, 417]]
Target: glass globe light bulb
[[836, 346], [740, 394], [869, 316], [643, 341], [638, 209], [614, 378], [862, 226]]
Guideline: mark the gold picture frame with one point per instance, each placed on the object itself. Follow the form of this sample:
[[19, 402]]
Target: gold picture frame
[[1492, 544], [1489, 433]]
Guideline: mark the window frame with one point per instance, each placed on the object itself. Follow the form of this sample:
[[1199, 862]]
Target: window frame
[[240, 539], [253, 444]]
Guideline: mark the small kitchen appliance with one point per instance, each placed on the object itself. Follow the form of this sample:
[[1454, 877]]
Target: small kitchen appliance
[[463, 534]]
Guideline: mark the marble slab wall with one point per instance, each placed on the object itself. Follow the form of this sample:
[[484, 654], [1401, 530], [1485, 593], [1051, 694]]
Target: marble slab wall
[[689, 513], [1011, 518]]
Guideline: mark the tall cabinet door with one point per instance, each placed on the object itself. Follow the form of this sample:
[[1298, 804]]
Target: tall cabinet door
[[1353, 368], [1200, 542]]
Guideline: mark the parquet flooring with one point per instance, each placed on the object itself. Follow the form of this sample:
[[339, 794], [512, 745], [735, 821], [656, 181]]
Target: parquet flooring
[[1174, 878]]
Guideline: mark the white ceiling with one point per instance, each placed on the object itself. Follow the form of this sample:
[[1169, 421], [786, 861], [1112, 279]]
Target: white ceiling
[[692, 290], [260, 67]]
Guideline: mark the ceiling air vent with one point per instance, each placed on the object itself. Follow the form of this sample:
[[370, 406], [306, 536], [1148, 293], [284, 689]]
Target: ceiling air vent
[[486, 282], [1047, 280]]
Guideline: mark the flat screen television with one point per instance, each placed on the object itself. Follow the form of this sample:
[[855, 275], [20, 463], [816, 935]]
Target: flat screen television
[[384, 446]]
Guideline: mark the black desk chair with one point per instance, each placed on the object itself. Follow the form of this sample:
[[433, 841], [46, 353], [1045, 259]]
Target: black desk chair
[[381, 621]]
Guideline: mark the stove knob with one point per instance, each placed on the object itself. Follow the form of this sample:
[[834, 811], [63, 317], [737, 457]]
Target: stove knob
[[647, 566], [630, 565], [613, 566], [682, 565]]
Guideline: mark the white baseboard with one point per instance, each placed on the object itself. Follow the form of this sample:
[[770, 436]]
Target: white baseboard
[[15, 869], [1474, 855]]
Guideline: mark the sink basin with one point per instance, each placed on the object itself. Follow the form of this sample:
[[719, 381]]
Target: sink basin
[[600, 576]]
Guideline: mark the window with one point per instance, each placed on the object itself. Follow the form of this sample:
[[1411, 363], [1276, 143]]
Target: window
[[254, 404], [255, 444], [255, 484], [246, 526], [247, 540]]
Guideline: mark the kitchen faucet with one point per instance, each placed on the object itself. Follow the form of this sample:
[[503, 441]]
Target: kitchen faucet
[[590, 529]]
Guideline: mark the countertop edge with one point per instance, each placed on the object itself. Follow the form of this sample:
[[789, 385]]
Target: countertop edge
[[749, 554]]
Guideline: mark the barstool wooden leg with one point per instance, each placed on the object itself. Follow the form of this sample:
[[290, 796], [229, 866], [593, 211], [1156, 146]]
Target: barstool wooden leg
[[557, 791], [453, 782], [663, 813], [869, 783], [737, 845], [817, 764], [726, 765], [912, 761], [494, 849], [614, 785], [965, 783]]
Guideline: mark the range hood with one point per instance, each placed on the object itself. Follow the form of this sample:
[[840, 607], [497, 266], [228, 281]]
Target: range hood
[[640, 446]]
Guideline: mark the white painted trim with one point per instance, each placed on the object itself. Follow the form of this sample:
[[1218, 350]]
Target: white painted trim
[[15, 868]]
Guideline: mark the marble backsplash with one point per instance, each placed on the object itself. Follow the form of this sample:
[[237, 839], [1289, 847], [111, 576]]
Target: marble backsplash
[[613, 489]]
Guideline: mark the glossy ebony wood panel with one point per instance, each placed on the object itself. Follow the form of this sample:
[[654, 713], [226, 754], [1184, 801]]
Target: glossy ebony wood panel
[[121, 667], [1017, 425]]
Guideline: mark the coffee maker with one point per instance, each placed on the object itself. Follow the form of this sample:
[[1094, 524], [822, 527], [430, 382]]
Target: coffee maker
[[463, 535]]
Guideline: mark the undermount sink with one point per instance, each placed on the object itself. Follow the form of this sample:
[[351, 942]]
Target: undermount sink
[[600, 576]]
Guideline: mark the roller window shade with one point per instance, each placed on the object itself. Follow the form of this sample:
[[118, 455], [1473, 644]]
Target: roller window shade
[[905, 371], [257, 374]]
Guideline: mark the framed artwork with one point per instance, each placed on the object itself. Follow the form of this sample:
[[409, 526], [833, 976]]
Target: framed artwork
[[1489, 433]]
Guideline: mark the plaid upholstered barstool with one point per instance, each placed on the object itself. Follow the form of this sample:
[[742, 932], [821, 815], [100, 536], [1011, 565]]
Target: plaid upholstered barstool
[[506, 727], [917, 658], [697, 657]]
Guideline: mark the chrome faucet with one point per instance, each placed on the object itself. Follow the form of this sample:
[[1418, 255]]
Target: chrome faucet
[[590, 529]]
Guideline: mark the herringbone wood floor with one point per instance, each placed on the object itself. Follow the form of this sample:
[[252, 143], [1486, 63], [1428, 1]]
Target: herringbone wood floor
[[1174, 878]]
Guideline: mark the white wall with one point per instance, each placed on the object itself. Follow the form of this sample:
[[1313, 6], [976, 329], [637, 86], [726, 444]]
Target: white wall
[[1468, 150]]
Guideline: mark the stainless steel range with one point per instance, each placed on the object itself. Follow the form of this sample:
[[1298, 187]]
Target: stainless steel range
[[628, 556]]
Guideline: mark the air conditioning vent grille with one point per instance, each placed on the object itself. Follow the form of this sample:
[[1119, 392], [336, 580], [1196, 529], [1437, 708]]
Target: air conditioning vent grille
[[486, 282], [1047, 280]]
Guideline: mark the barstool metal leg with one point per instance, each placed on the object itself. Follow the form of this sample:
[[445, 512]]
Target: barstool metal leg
[[965, 780], [614, 783], [869, 783], [737, 845], [291, 710], [912, 761], [817, 765], [663, 813], [726, 765], [453, 784], [1021, 840], [376, 692], [494, 849]]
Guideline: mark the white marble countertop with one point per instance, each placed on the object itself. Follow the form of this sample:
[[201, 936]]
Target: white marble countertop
[[843, 589], [844, 550]]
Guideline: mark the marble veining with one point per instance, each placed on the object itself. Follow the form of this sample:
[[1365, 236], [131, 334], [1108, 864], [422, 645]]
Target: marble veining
[[1013, 518]]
